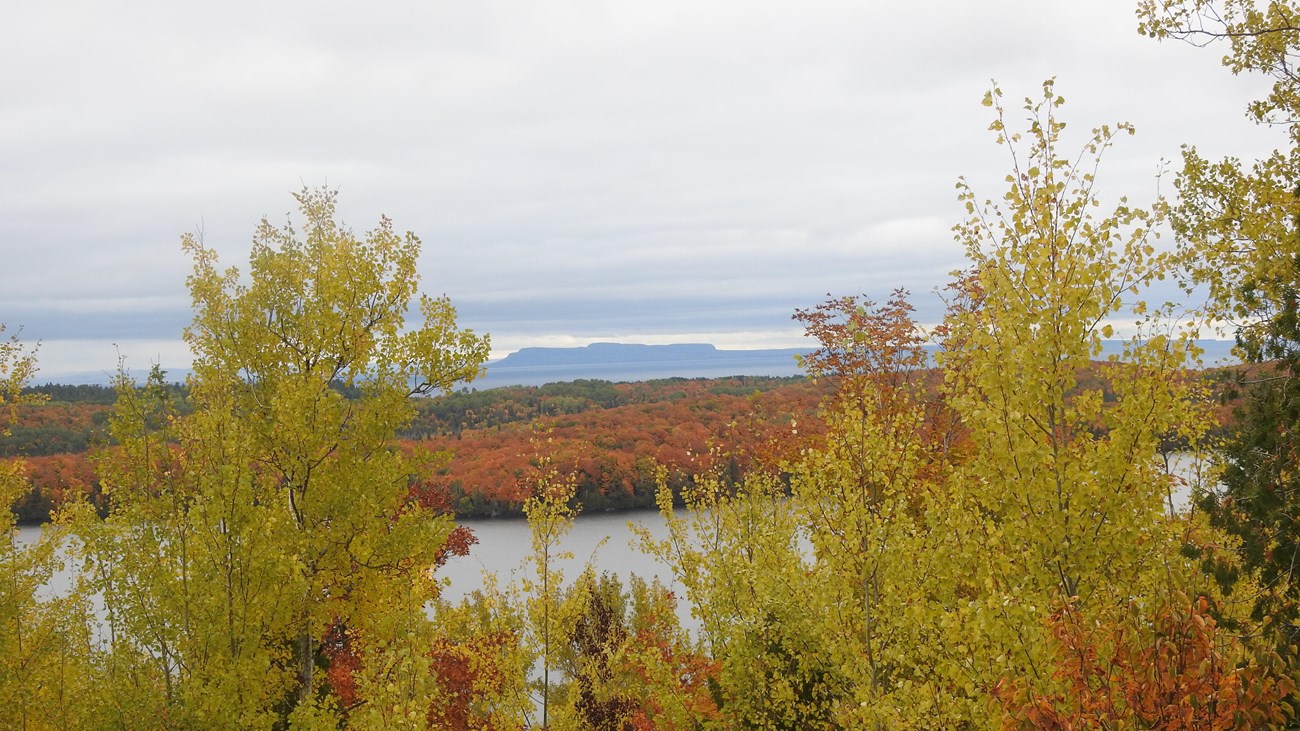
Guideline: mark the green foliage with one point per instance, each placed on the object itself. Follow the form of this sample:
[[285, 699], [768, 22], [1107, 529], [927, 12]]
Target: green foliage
[[31, 442], [1257, 501], [86, 393]]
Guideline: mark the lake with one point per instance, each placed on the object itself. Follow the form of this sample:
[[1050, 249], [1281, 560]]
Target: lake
[[604, 540]]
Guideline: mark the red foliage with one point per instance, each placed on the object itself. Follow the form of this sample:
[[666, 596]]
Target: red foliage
[[466, 673], [458, 543], [461, 538], [864, 340], [336, 647]]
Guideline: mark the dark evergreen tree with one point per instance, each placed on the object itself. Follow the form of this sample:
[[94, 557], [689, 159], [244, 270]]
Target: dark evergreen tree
[[1260, 498]]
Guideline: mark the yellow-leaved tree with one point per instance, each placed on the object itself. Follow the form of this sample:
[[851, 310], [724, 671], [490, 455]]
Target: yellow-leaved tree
[[868, 495], [763, 612], [45, 663], [952, 509], [1063, 499], [540, 592], [273, 508], [1236, 220]]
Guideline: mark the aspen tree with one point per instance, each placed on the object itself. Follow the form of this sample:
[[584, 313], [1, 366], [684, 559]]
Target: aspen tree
[[867, 495], [1062, 498], [276, 507], [46, 658], [951, 513], [550, 618]]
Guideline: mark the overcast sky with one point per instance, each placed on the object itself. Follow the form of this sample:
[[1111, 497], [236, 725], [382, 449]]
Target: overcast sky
[[578, 171]]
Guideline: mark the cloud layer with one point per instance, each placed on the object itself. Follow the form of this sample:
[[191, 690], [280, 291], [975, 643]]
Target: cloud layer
[[578, 171]]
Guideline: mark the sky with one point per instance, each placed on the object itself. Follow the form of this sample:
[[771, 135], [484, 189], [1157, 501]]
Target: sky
[[578, 171]]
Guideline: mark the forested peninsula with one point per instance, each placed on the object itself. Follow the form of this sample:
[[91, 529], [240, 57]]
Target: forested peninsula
[[616, 439]]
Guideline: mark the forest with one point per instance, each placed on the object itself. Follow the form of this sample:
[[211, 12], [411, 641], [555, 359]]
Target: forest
[[978, 541], [615, 439]]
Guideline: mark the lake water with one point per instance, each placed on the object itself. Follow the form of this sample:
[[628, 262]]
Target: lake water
[[719, 367], [605, 541]]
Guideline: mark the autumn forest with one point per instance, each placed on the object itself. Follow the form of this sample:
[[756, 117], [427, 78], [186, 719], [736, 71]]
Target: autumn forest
[[978, 537]]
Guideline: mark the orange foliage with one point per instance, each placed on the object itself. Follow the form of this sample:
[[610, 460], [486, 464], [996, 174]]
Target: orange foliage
[[613, 451], [728, 426], [55, 479], [1181, 673], [343, 662], [692, 674], [62, 476]]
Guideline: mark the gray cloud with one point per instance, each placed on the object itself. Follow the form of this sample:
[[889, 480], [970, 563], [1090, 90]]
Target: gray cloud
[[575, 169]]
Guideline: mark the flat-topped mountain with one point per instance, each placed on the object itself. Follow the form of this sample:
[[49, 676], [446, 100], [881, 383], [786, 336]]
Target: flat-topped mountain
[[614, 353], [636, 362], [639, 362]]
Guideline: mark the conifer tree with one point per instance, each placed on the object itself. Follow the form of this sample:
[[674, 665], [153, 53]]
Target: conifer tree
[[1238, 227]]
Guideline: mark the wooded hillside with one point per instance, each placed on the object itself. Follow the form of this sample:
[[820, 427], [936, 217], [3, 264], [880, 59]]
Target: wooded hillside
[[612, 435]]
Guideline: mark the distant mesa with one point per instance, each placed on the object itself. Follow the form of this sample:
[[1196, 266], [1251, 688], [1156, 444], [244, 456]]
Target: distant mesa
[[639, 362], [635, 362]]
